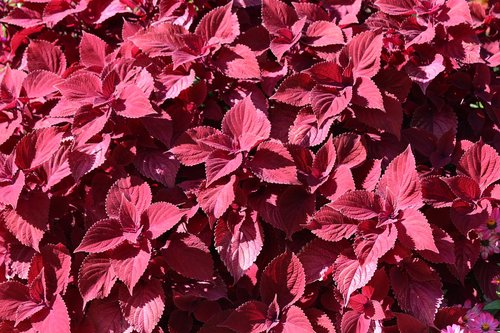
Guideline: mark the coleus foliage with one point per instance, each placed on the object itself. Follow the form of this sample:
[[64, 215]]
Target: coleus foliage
[[249, 166]]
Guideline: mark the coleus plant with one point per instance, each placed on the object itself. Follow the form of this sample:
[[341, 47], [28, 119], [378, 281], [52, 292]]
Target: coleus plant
[[249, 166]]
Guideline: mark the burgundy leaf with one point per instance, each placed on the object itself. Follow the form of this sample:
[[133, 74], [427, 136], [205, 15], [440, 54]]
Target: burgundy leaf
[[272, 163], [96, 277], [283, 277]]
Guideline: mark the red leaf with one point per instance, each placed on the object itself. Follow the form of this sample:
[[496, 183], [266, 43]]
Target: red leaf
[[12, 294], [322, 165], [160, 40], [161, 217], [285, 278], [81, 88], [219, 26], [317, 258], [320, 321], [355, 322], [37, 147], [158, 166], [367, 94], [134, 103], [396, 7], [444, 244], [189, 256], [247, 125], [43, 55], [272, 163], [295, 90], [417, 288], [239, 240], [102, 236], [249, 317], [89, 156], [29, 221], [373, 243], [323, 33], [350, 150], [130, 262], [144, 308], [96, 277], [106, 316], [277, 15]]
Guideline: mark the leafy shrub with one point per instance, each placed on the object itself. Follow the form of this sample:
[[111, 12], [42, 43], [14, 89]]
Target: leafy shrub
[[251, 166]]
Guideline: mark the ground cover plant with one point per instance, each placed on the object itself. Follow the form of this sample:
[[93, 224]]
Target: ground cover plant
[[249, 166]]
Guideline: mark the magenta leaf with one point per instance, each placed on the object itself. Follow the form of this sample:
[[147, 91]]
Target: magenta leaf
[[96, 277]]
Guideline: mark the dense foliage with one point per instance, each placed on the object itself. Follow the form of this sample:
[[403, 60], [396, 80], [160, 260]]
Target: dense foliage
[[251, 166]]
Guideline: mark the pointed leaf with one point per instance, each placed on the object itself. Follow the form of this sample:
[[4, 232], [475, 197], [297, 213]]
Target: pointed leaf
[[102, 236]]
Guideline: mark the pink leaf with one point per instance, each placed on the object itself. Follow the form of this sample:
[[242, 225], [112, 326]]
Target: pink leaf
[[359, 205], [481, 163], [247, 125], [161, 217], [396, 7], [54, 319], [444, 244], [190, 149], [219, 26], [189, 256], [417, 288], [92, 51], [40, 83], [415, 226], [106, 316], [134, 103], [320, 321], [239, 240], [350, 274], [217, 198], [355, 322], [323, 33], [82, 88], [102, 236], [350, 150], [37, 147], [373, 243], [363, 52], [96, 277], [330, 225], [367, 94], [160, 40], [220, 164], [294, 321], [134, 189], [238, 62], [272, 163], [283, 277], [424, 74], [130, 262], [401, 178], [144, 308]]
